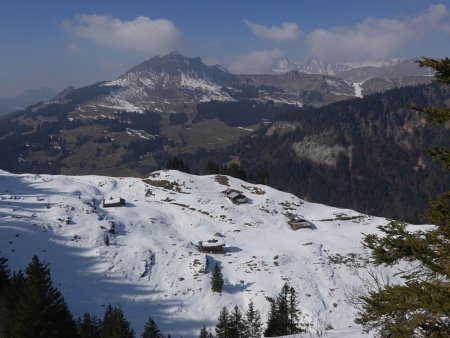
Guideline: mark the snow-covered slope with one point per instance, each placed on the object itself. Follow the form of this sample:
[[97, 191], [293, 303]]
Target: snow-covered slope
[[152, 267]]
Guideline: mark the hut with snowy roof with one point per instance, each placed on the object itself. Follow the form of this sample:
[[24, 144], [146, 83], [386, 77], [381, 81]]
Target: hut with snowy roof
[[296, 222], [235, 197], [212, 246], [113, 202]]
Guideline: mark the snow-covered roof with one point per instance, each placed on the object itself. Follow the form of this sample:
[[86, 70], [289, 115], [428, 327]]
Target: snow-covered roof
[[112, 200], [212, 243], [235, 194]]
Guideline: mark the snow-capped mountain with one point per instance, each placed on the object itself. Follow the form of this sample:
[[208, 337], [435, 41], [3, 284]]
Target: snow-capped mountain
[[316, 65], [311, 65], [151, 264], [174, 83]]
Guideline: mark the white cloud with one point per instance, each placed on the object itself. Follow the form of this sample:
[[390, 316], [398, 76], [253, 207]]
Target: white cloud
[[375, 38], [287, 31], [142, 34], [253, 62]]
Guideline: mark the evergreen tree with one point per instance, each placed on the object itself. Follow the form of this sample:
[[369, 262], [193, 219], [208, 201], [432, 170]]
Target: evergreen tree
[[236, 324], [420, 307], [41, 310], [203, 332], [217, 279], [223, 324], [4, 301], [284, 314], [151, 330], [4, 275], [176, 163], [272, 320], [293, 312], [253, 326], [115, 325], [89, 326]]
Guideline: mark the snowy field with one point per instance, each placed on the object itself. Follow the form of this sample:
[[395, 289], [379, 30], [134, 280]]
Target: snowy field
[[152, 266]]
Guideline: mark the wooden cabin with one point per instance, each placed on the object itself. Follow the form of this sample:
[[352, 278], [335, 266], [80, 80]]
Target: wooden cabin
[[215, 246], [113, 202], [296, 222], [236, 197]]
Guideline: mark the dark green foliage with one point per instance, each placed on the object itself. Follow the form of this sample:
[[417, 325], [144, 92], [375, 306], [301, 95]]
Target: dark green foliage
[[241, 113], [204, 333], [177, 118], [176, 163], [41, 310], [253, 326], [236, 324], [151, 330], [420, 307], [442, 68], [114, 324], [284, 314], [217, 279], [223, 324], [4, 299], [4, 274], [89, 326], [233, 170], [89, 92]]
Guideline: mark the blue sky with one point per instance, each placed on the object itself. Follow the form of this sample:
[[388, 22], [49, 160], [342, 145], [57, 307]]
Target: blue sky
[[60, 43]]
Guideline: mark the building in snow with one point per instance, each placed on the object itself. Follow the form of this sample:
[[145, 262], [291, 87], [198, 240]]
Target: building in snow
[[296, 222], [236, 197], [212, 246], [113, 202]]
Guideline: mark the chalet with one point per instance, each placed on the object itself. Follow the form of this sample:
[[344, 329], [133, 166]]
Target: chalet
[[296, 222], [212, 246], [113, 202], [236, 197]]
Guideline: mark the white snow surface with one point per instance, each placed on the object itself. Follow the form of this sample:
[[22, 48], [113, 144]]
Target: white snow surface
[[208, 89], [358, 89], [152, 266]]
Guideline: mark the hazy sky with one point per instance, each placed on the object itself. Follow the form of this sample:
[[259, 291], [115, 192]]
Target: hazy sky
[[60, 43]]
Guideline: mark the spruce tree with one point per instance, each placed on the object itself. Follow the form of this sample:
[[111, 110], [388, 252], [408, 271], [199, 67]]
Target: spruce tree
[[114, 324], [236, 324], [5, 308], [293, 312], [419, 307], [217, 279], [223, 324], [41, 310], [4, 275], [88, 326], [151, 330], [253, 326], [272, 325], [284, 314], [203, 332]]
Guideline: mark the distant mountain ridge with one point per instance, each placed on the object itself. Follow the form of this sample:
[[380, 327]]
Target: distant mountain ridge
[[175, 105], [25, 99], [316, 65], [174, 82]]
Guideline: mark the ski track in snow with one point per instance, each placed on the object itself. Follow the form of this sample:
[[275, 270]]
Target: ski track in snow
[[152, 266]]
